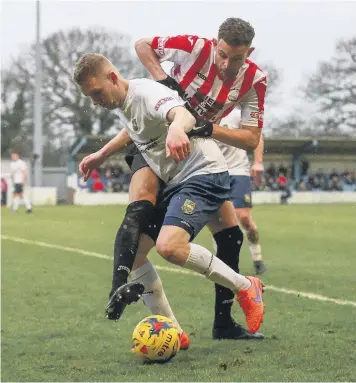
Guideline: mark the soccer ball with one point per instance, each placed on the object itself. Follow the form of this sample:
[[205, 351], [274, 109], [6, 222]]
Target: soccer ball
[[155, 339]]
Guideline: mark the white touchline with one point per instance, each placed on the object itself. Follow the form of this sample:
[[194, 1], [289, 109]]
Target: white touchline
[[316, 297]]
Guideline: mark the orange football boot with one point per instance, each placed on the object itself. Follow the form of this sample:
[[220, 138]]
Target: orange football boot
[[184, 341], [251, 302]]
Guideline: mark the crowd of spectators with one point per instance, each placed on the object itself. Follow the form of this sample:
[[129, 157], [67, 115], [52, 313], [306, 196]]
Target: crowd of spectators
[[111, 179], [115, 178], [278, 177]]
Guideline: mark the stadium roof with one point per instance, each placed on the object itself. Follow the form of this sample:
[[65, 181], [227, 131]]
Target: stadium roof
[[317, 145], [273, 145]]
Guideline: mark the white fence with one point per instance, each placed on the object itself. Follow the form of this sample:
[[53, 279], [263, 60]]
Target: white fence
[[39, 196], [82, 197]]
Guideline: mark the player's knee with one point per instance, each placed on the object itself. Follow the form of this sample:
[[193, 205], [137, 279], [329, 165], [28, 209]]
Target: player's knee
[[137, 215], [165, 248], [144, 194], [139, 207], [171, 249]]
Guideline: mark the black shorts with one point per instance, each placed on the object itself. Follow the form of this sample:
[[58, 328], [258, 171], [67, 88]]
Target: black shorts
[[135, 160], [18, 188]]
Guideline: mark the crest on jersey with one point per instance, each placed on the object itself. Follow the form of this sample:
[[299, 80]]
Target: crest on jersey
[[247, 198], [188, 206], [134, 124], [233, 95]]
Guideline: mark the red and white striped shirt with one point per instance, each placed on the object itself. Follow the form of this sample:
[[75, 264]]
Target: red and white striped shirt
[[207, 93]]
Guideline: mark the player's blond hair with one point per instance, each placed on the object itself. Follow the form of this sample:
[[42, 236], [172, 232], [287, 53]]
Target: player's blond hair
[[89, 65]]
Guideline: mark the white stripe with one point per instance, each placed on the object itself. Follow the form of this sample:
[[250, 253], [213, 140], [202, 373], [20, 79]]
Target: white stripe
[[312, 296]]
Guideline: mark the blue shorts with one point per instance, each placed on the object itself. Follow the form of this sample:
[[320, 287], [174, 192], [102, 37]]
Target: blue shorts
[[18, 188], [191, 204], [241, 193]]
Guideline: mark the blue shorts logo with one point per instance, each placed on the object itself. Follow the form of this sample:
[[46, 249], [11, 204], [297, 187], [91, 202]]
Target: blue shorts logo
[[247, 198], [188, 206]]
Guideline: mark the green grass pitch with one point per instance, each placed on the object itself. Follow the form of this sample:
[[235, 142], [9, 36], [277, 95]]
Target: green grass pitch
[[53, 299]]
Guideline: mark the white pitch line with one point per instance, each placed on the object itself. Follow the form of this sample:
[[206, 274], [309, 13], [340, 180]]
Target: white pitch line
[[312, 296]]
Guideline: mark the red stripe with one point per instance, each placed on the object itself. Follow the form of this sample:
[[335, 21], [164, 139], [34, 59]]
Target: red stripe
[[220, 99], [197, 65], [261, 93], [227, 111], [248, 61], [205, 88], [224, 91], [182, 42], [248, 79]]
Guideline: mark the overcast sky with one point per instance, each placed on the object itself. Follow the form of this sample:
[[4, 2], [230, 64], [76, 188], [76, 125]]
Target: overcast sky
[[293, 35]]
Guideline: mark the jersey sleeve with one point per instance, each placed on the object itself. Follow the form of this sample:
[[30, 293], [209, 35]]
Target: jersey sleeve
[[233, 119], [160, 100], [253, 104], [23, 166], [175, 48]]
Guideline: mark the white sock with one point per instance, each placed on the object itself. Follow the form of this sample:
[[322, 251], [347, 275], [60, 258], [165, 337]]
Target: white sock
[[204, 262], [27, 203], [154, 296], [255, 250], [15, 203]]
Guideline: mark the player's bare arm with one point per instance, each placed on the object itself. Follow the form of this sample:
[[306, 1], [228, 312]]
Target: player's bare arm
[[115, 145], [94, 160], [149, 58], [177, 143], [246, 138], [24, 175], [257, 167]]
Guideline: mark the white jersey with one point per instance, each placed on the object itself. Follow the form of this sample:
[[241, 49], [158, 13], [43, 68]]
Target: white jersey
[[18, 168], [237, 159], [146, 107]]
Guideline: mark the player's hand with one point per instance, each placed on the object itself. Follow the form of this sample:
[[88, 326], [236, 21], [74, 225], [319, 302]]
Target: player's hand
[[89, 163], [177, 144], [204, 130], [257, 170]]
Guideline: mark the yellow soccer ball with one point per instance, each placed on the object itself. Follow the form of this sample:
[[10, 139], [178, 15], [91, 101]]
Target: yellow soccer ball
[[155, 339]]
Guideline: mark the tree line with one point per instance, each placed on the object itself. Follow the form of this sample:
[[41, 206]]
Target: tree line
[[68, 115]]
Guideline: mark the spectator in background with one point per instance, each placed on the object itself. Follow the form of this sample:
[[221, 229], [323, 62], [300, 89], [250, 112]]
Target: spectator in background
[[95, 174], [271, 170], [282, 180], [3, 192], [304, 168], [334, 173], [98, 186], [283, 170], [334, 183], [283, 187], [322, 179], [302, 186], [349, 182]]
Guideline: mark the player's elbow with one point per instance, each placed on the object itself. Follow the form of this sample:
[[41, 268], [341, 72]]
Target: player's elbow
[[140, 45], [252, 139], [253, 143], [191, 121]]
